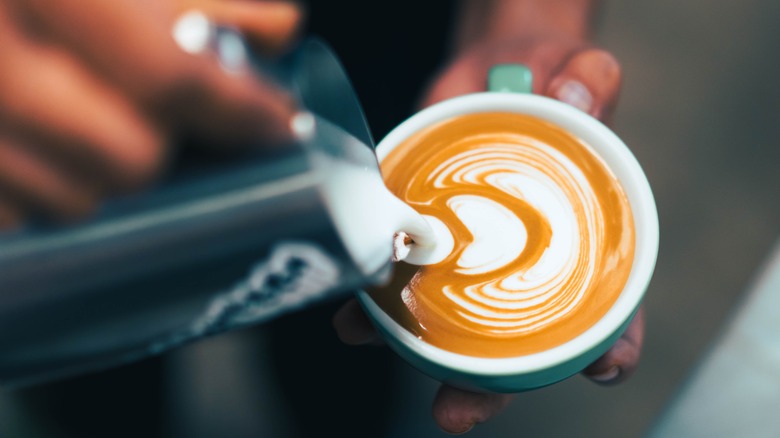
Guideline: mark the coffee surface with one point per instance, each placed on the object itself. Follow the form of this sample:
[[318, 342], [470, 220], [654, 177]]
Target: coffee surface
[[544, 236]]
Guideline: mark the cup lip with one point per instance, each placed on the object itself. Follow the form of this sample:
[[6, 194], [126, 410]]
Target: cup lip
[[635, 184]]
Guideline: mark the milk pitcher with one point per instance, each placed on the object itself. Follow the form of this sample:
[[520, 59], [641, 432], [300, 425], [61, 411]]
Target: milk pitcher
[[208, 251]]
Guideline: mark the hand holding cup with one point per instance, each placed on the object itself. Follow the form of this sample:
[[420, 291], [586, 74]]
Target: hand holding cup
[[95, 94], [587, 78]]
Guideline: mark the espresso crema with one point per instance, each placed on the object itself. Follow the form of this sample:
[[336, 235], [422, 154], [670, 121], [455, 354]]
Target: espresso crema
[[544, 236]]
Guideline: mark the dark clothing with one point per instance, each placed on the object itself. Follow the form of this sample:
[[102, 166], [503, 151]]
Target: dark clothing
[[389, 49]]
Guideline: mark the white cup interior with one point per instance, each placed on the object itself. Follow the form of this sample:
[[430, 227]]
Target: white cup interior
[[622, 163]]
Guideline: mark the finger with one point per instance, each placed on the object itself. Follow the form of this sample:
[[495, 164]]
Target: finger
[[353, 326], [590, 80], [270, 25], [10, 213], [457, 411], [190, 92], [458, 79], [469, 73], [50, 102], [40, 187], [620, 362]]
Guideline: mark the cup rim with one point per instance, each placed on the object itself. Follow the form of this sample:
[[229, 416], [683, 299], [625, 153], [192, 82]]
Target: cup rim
[[635, 184]]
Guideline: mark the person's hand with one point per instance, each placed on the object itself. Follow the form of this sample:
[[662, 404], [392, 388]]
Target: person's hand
[[93, 94], [572, 71], [456, 410], [566, 69]]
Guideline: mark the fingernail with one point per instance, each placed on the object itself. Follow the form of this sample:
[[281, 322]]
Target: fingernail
[[467, 429], [575, 94], [607, 376], [369, 340]]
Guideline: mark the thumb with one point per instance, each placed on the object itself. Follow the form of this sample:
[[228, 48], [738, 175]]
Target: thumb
[[589, 80]]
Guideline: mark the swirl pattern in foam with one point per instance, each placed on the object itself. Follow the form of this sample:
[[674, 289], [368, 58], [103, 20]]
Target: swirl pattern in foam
[[543, 234]]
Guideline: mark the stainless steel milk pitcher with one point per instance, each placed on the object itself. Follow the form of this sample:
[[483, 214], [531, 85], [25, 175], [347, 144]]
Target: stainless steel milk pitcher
[[198, 255]]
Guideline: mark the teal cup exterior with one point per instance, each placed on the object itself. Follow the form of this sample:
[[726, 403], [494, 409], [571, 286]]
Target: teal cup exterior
[[514, 374]]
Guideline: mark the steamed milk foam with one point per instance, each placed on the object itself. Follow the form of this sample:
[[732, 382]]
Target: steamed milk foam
[[370, 214], [543, 235]]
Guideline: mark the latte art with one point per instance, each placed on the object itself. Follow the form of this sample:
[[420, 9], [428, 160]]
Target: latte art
[[549, 282], [543, 235]]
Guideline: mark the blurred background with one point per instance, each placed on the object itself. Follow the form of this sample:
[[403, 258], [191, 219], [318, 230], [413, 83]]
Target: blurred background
[[701, 111]]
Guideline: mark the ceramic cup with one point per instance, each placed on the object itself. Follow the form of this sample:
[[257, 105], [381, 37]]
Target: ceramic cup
[[511, 85]]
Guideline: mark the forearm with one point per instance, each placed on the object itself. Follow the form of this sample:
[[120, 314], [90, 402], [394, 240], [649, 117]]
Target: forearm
[[501, 20]]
